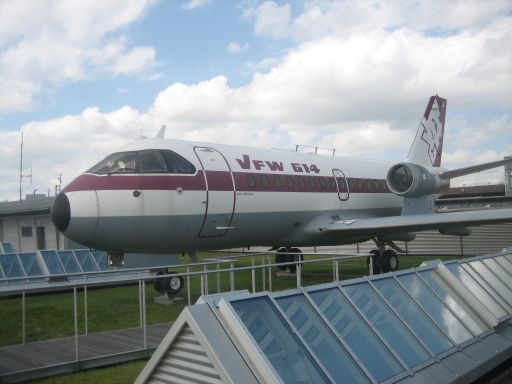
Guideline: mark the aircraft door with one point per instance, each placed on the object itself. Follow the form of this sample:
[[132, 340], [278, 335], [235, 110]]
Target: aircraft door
[[341, 184], [220, 192]]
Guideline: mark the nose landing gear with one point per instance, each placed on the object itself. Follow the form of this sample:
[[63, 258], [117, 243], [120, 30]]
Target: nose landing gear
[[288, 255]]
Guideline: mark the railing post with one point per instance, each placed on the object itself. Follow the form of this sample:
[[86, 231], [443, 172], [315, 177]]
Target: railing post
[[253, 276], [188, 285], [218, 279], [205, 280], [337, 270], [23, 319], [370, 266], [232, 277], [144, 330], [75, 318], [86, 325], [269, 274], [140, 304], [263, 277], [298, 271]]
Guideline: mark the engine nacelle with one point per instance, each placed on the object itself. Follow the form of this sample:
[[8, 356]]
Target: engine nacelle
[[413, 180]]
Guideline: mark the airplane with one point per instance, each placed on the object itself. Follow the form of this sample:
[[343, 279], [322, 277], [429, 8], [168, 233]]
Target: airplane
[[161, 196]]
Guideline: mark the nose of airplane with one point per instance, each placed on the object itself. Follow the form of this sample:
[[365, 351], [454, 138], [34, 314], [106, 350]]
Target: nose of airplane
[[61, 212]]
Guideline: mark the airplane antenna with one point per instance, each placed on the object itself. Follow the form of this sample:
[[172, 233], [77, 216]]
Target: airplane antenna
[[21, 168]]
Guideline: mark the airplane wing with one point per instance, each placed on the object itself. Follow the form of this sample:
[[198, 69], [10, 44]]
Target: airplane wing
[[370, 227]]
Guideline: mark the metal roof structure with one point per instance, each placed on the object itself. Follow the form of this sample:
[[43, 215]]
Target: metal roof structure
[[442, 322]]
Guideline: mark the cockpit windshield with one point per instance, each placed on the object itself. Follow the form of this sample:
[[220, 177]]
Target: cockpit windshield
[[147, 161]]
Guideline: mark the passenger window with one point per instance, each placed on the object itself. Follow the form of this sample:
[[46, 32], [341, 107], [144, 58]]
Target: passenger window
[[176, 163], [312, 182], [251, 181], [278, 183], [264, 181], [332, 184], [302, 182], [289, 182], [151, 162], [323, 184]]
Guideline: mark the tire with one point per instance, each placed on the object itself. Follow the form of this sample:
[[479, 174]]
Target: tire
[[389, 261], [171, 285], [297, 256], [375, 256], [280, 258]]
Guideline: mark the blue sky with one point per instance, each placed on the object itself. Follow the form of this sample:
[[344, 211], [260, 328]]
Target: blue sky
[[82, 78]]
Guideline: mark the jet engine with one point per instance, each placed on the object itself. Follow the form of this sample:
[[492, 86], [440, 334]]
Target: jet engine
[[413, 180]]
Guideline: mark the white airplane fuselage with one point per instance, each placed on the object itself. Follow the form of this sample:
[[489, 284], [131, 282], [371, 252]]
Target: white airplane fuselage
[[231, 197]]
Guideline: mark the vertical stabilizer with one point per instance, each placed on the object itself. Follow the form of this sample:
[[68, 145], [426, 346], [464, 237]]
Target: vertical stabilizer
[[427, 147]]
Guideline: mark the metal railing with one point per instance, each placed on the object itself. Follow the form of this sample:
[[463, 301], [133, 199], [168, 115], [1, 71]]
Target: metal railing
[[203, 274]]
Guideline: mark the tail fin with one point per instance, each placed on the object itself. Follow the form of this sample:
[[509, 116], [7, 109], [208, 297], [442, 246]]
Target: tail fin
[[427, 146]]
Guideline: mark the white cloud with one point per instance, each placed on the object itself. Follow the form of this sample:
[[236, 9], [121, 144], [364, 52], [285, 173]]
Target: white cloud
[[237, 48], [358, 84], [194, 4], [43, 44]]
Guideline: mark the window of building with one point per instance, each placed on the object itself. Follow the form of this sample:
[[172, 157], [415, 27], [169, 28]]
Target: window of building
[[26, 231]]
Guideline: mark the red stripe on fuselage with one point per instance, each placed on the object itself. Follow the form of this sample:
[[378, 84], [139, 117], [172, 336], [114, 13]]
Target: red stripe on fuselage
[[221, 181]]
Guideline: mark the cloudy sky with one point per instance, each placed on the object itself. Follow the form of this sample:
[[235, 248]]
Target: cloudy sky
[[81, 78]]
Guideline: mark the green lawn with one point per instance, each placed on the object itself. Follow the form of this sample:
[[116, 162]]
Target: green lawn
[[51, 316]]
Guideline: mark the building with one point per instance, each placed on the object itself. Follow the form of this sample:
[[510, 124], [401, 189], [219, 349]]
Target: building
[[28, 225]]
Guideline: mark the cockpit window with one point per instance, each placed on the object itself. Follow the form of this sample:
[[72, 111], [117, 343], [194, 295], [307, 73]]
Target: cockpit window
[[147, 161], [151, 162], [117, 163], [176, 163]]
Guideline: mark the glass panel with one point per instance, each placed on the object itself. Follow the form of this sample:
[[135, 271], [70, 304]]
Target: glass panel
[[412, 314], [101, 259], [176, 163], [11, 265], [472, 286], [151, 162], [8, 247], [86, 261], [285, 352], [372, 352], [505, 264], [320, 339], [30, 264], [52, 262], [116, 163], [2, 276], [498, 271], [491, 278], [69, 262], [435, 308], [454, 301], [388, 325]]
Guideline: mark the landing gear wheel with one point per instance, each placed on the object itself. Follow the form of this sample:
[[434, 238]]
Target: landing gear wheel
[[281, 258], [375, 258], [171, 285], [297, 256], [389, 261]]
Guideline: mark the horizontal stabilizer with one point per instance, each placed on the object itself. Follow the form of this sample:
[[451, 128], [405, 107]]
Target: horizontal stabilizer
[[472, 169]]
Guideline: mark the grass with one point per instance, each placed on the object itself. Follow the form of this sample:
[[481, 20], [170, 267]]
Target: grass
[[51, 315]]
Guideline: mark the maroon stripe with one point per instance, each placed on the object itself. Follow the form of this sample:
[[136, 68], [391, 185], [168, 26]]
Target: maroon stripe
[[87, 182], [221, 181]]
